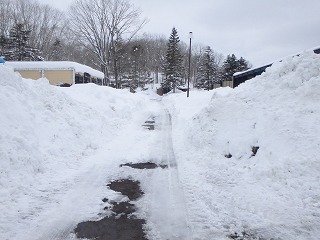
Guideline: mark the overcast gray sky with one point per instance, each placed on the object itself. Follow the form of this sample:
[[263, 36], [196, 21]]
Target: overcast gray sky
[[261, 31]]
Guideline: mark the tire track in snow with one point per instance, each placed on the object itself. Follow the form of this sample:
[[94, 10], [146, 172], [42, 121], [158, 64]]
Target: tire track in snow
[[168, 209]]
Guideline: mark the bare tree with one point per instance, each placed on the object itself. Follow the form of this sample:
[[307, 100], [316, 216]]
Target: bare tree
[[156, 47], [197, 51], [100, 25], [46, 23], [49, 27], [6, 20]]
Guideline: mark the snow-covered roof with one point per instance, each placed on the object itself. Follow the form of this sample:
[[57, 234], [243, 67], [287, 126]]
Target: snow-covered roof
[[252, 69], [55, 65], [314, 49]]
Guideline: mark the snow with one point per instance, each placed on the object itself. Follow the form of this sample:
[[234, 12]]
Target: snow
[[274, 194], [60, 146], [279, 60], [46, 135], [55, 65]]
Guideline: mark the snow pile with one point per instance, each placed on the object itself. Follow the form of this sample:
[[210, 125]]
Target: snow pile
[[47, 133], [40, 124], [249, 160]]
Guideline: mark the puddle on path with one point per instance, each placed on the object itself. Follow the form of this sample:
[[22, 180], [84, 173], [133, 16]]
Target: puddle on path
[[122, 224], [146, 165]]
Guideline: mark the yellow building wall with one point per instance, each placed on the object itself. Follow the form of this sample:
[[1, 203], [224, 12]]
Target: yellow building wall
[[216, 85], [54, 76], [34, 74], [59, 76], [227, 84]]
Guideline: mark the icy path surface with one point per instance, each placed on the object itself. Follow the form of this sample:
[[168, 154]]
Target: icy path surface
[[75, 196], [168, 214]]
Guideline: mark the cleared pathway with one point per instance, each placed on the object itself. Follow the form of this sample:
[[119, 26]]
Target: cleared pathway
[[168, 212], [162, 206]]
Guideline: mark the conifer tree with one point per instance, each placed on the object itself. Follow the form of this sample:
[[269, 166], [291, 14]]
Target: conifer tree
[[207, 72], [242, 65], [173, 64], [3, 44], [230, 66], [18, 48]]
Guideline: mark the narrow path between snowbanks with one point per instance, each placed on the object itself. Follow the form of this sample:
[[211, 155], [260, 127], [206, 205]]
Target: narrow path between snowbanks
[[142, 153], [168, 214], [159, 203]]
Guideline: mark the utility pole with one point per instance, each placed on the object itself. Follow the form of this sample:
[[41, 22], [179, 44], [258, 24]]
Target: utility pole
[[190, 37]]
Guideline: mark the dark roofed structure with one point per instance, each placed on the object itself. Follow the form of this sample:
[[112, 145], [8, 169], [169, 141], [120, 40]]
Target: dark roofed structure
[[317, 50], [241, 77]]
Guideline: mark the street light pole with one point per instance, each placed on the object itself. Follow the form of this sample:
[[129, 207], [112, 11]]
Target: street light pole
[[190, 37]]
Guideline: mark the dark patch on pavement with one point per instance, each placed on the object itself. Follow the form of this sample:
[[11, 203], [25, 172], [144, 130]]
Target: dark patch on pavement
[[112, 228], [244, 236], [149, 124], [123, 208], [121, 224], [127, 187], [146, 165]]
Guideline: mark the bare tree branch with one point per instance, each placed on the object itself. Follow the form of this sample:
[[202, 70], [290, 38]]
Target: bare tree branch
[[100, 24]]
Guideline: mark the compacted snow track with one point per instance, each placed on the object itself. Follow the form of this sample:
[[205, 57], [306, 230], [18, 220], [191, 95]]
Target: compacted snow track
[[168, 212]]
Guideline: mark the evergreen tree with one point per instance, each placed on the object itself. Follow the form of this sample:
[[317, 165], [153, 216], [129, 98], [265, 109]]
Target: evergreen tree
[[230, 66], [3, 44], [173, 64], [207, 72], [243, 65], [18, 48]]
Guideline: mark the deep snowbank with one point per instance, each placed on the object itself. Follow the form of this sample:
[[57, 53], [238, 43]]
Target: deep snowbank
[[47, 133], [274, 194], [43, 125]]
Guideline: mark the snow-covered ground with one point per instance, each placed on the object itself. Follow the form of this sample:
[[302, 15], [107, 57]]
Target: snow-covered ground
[[275, 194], [60, 146], [50, 138]]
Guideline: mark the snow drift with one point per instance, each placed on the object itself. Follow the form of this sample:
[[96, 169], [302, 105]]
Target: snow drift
[[43, 125], [273, 193], [47, 133]]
